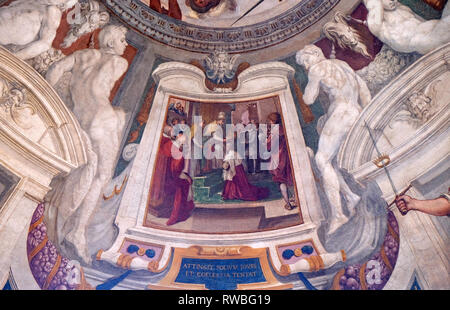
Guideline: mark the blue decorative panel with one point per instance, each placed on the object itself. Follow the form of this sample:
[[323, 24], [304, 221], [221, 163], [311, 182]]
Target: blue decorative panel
[[7, 286], [415, 286], [220, 274]]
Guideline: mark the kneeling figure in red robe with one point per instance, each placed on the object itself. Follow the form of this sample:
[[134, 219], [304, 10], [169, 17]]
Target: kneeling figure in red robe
[[236, 183]]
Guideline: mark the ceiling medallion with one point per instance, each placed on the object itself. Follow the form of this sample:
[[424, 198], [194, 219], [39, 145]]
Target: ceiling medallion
[[200, 39]]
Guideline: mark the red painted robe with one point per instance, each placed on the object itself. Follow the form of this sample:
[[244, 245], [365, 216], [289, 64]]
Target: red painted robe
[[240, 188], [174, 9], [281, 173], [169, 193]]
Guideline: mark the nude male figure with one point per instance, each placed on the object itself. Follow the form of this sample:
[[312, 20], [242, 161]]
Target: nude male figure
[[31, 25], [347, 94], [396, 25], [94, 73]]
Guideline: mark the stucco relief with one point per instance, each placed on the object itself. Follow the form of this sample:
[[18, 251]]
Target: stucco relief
[[321, 223], [85, 18], [419, 107], [21, 109]]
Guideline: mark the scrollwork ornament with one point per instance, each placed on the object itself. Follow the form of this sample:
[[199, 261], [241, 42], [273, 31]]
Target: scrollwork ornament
[[13, 99], [220, 66]]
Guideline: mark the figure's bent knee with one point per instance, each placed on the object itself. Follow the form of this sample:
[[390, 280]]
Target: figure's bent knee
[[321, 160], [104, 176]]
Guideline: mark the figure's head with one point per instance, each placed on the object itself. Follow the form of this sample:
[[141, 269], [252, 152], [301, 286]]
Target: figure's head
[[16, 97], [254, 122], [112, 38], [175, 121], [226, 165], [181, 137], [389, 5], [309, 56], [203, 6], [221, 118], [419, 105], [168, 130], [274, 118]]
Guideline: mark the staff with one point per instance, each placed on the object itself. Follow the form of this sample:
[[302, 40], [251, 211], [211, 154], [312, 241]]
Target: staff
[[383, 165]]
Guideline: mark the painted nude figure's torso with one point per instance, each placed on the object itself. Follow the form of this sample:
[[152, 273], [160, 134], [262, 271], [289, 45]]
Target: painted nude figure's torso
[[94, 73], [396, 25], [347, 94]]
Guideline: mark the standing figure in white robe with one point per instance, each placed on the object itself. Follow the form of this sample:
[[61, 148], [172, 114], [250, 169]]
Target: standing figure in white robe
[[214, 147]]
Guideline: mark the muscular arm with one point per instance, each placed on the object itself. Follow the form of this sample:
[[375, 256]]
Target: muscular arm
[[56, 70], [313, 88], [375, 16], [438, 207], [364, 93], [47, 34], [121, 67]]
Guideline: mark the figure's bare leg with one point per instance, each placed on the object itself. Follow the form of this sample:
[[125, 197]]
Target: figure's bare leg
[[351, 198], [334, 131], [430, 35], [331, 185], [77, 237], [106, 149], [285, 194]]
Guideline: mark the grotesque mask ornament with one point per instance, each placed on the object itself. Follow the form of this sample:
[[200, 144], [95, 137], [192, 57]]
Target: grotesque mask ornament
[[219, 67]]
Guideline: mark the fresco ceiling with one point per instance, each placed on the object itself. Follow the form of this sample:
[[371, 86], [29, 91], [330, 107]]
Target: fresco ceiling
[[257, 30], [227, 13], [115, 209]]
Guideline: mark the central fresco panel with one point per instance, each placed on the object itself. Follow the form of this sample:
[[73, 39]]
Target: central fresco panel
[[219, 139], [231, 177]]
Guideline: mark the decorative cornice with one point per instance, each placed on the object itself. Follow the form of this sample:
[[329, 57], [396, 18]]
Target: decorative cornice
[[200, 39], [174, 68]]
